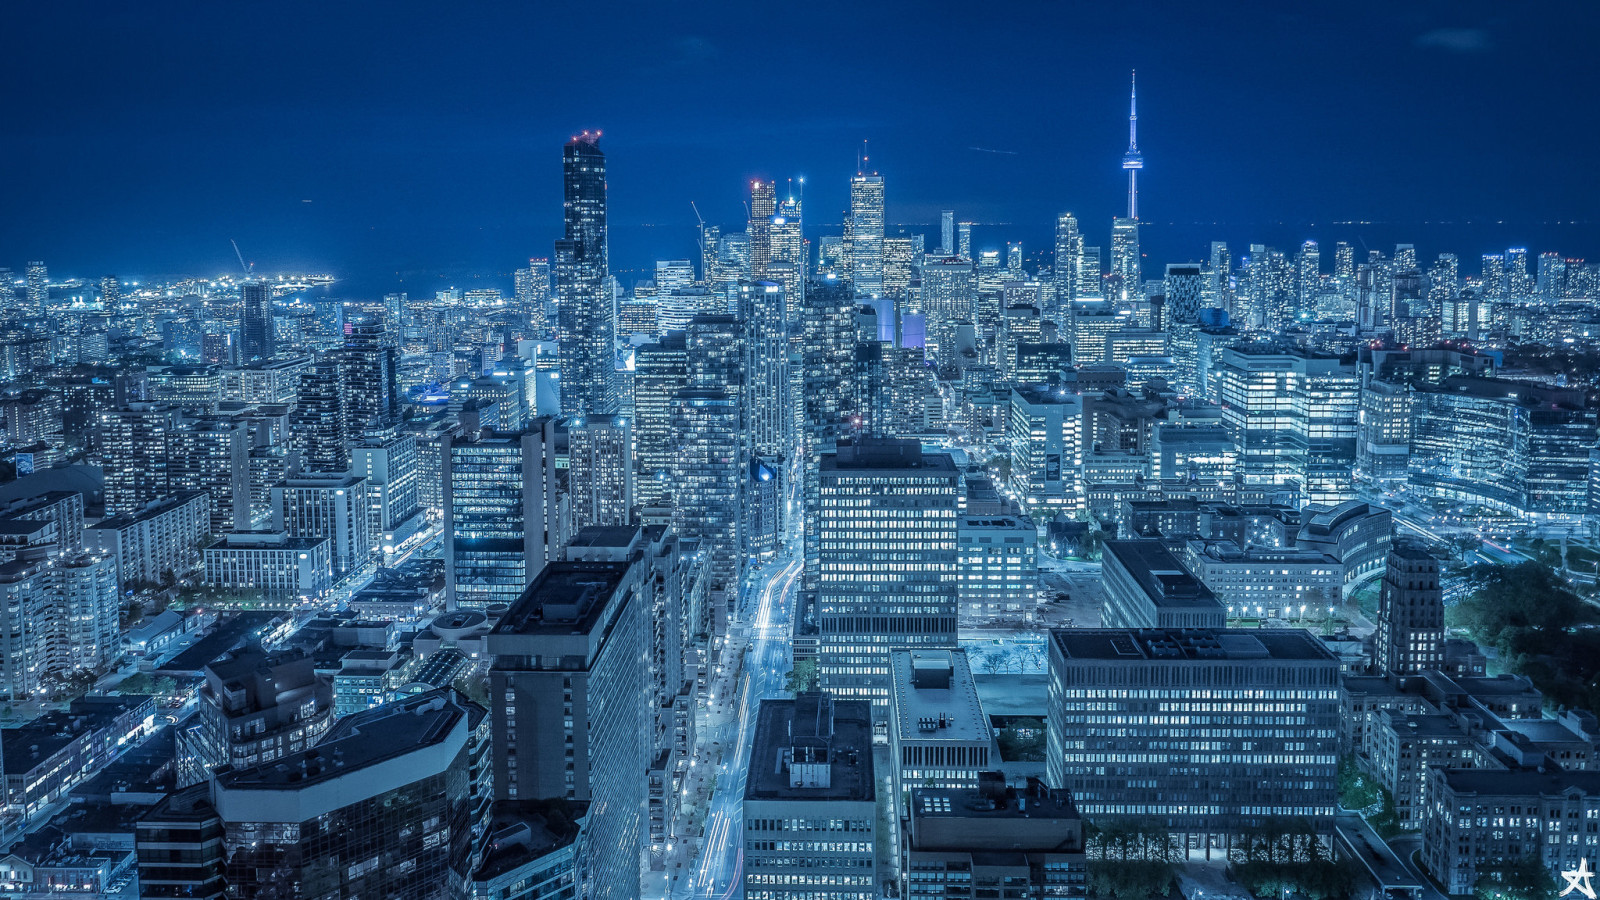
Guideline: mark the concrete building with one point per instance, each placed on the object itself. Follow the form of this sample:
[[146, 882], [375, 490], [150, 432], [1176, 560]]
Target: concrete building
[[333, 507], [156, 542], [1146, 587], [938, 734], [1208, 732], [1410, 613], [282, 568], [1476, 818], [570, 717], [810, 804], [997, 567], [1045, 429], [991, 840], [600, 471], [1260, 581], [1354, 533]]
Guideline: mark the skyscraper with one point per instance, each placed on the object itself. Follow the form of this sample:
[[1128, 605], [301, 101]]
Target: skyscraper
[[882, 499], [582, 274], [660, 371], [708, 477], [763, 206], [947, 232], [1410, 613], [1308, 265], [866, 233], [502, 523], [1126, 265], [256, 339], [765, 312], [600, 471], [367, 374], [1069, 246], [570, 722], [38, 287], [533, 291]]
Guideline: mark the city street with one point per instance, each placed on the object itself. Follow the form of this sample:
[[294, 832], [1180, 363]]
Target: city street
[[715, 875]]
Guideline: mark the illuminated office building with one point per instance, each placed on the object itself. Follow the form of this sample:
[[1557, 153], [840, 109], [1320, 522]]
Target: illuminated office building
[[502, 520], [600, 471], [1217, 731], [865, 234], [886, 541]]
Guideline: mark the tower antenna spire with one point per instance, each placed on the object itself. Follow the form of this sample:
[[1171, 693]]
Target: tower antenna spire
[[1132, 160]]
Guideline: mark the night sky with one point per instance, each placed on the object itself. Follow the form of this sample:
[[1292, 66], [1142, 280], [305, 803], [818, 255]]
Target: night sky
[[415, 141]]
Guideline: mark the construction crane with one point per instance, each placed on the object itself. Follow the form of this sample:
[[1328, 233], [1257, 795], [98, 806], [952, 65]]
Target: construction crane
[[242, 265]]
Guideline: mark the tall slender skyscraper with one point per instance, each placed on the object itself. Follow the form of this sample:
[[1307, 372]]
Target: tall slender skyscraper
[[1069, 245], [255, 322], [38, 286], [866, 233], [947, 232], [588, 311], [763, 206]]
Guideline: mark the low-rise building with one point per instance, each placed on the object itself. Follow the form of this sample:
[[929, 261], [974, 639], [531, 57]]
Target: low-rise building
[[284, 569], [1146, 587], [1021, 843]]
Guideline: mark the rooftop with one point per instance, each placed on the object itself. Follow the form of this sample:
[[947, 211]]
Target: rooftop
[[1521, 782], [566, 598], [362, 739], [1168, 645], [843, 738], [934, 697], [1164, 580]]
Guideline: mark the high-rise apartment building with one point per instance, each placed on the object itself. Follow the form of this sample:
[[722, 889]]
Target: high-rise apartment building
[[763, 206], [568, 686], [885, 561], [1069, 247], [257, 339], [502, 518], [1218, 731], [771, 419], [38, 287], [532, 290], [334, 507], [134, 455], [587, 308], [600, 471]]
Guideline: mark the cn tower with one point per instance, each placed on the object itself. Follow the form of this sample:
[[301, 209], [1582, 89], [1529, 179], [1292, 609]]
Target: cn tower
[[1131, 160]]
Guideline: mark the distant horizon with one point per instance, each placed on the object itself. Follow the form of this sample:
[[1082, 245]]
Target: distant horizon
[[364, 144]]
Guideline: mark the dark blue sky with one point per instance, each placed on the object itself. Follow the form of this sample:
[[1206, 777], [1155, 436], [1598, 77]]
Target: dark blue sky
[[424, 138]]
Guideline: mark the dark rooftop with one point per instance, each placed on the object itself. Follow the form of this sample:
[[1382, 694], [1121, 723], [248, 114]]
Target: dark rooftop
[[1158, 644], [838, 731], [1164, 580], [566, 598]]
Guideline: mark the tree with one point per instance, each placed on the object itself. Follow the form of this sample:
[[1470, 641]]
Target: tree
[[803, 677], [1516, 878]]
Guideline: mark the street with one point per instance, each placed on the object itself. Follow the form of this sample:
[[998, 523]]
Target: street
[[716, 874]]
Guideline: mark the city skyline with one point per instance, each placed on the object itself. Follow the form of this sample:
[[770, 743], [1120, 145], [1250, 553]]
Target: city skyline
[[373, 178]]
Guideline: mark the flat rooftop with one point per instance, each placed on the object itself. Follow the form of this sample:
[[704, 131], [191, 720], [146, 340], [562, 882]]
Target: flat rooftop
[[566, 598], [935, 698], [1521, 782], [1190, 645], [778, 725], [1164, 580]]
